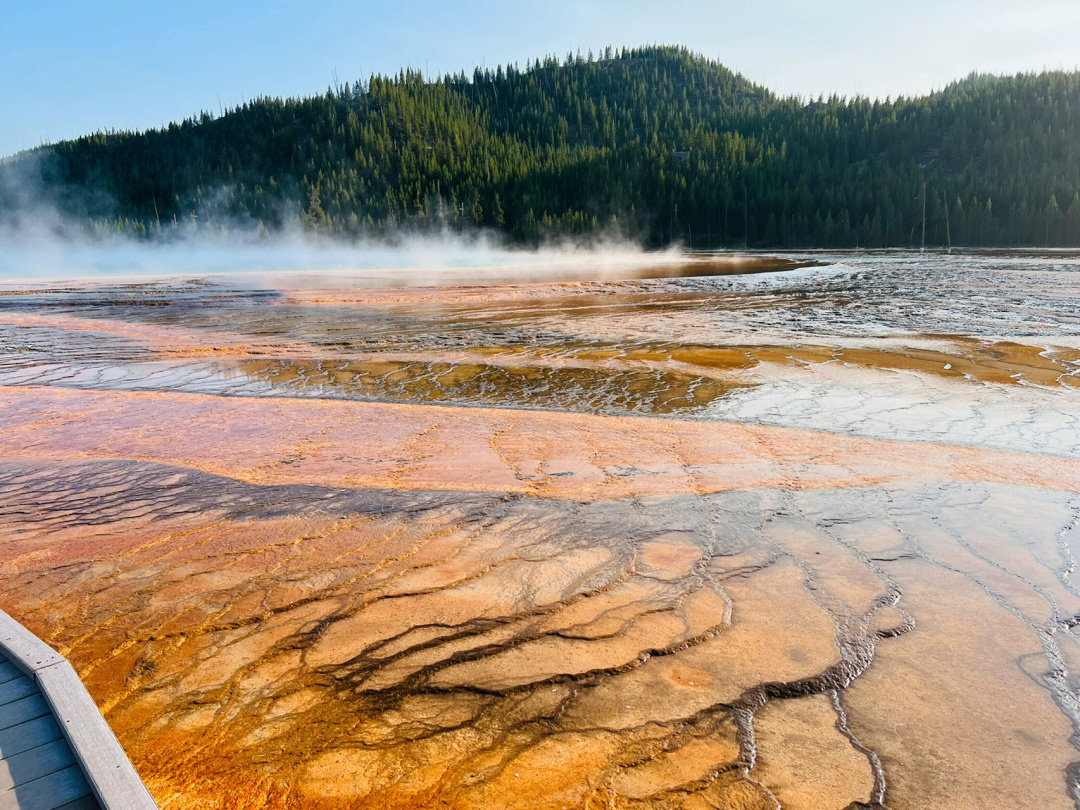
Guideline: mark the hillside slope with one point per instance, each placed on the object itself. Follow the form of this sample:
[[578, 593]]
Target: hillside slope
[[658, 142]]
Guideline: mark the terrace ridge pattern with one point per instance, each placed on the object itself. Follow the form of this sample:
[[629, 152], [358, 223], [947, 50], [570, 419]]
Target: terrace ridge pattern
[[293, 576]]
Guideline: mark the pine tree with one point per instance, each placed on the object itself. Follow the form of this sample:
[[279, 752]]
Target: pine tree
[[315, 217], [635, 137]]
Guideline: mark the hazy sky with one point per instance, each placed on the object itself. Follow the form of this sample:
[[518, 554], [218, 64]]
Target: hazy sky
[[73, 67]]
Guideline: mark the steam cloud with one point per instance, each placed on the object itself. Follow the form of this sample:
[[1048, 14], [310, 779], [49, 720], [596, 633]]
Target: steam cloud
[[39, 243], [43, 253]]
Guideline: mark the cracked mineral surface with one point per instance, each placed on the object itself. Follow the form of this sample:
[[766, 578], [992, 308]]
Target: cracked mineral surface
[[799, 539]]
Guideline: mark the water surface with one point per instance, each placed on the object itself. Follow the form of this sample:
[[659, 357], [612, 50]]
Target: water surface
[[801, 538]]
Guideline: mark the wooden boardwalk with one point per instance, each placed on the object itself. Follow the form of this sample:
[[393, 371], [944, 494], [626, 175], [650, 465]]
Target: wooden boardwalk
[[56, 750]]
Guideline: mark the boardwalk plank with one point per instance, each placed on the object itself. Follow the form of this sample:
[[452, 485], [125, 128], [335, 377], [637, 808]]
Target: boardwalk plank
[[19, 711], [47, 792], [23, 648], [28, 735], [17, 690], [85, 803], [56, 750], [35, 763], [111, 774]]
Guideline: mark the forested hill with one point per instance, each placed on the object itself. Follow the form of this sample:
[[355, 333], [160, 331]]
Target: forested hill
[[658, 143]]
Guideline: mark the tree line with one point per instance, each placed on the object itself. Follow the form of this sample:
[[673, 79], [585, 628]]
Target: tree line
[[657, 143]]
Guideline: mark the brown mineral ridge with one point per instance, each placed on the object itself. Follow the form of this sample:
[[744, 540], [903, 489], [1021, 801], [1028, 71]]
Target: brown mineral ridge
[[172, 340], [549, 454], [486, 648]]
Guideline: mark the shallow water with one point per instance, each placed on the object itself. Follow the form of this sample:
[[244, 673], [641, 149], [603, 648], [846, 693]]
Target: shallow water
[[800, 539]]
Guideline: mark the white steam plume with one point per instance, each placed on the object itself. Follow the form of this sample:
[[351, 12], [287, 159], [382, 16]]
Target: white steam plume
[[38, 244]]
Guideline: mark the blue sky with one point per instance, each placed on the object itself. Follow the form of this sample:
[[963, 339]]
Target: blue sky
[[74, 67]]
